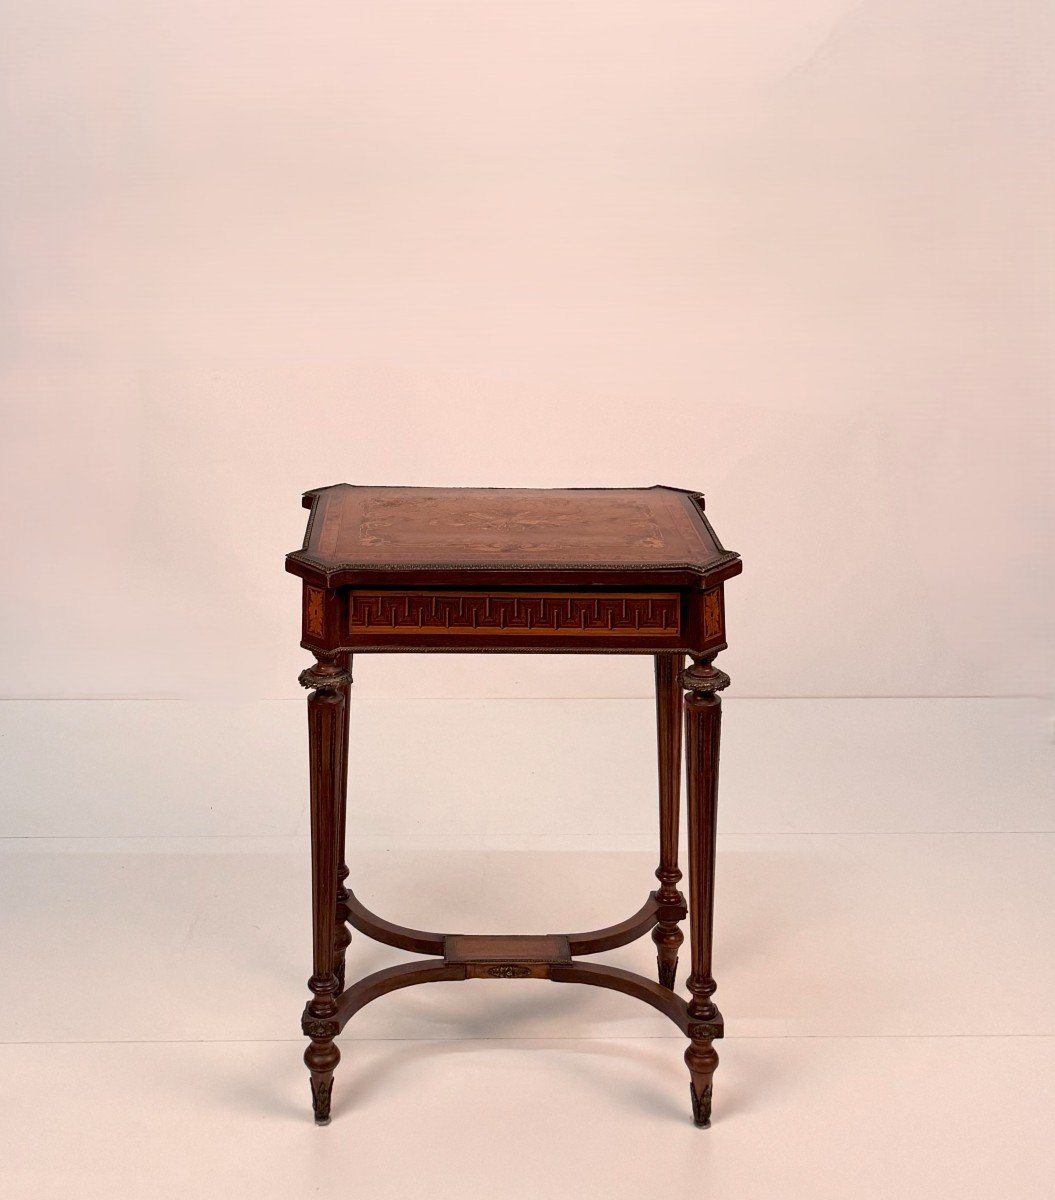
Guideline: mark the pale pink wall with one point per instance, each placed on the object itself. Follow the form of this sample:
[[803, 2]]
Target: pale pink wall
[[791, 254]]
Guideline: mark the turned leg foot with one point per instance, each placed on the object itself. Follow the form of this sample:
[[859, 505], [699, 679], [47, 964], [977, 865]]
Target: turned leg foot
[[701, 1059], [668, 939], [321, 1057]]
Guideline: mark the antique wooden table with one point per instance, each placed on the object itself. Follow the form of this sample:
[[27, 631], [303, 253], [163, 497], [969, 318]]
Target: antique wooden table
[[598, 571]]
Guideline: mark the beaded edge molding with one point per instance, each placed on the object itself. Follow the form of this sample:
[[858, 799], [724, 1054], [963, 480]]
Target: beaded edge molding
[[703, 570]]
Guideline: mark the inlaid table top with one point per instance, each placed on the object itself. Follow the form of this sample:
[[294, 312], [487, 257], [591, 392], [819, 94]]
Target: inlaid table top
[[367, 536]]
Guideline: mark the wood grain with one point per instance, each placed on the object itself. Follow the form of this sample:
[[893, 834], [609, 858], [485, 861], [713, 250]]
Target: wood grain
[[373, 535]]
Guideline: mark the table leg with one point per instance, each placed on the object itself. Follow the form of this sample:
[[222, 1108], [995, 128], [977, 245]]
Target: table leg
[[343, 936], [327, 705], [667, 933], [703, 710]]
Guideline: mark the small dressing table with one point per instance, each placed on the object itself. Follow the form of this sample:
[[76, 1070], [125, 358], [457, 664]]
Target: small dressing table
[[388, 570]]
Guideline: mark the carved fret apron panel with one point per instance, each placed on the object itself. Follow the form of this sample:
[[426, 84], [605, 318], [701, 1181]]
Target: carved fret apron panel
[[488, 614]]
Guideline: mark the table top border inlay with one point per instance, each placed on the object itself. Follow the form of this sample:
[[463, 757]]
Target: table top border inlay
[[301, 562]]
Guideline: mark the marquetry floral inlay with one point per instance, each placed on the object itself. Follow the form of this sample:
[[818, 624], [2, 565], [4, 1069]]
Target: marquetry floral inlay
[[315, 619], [712, 614]]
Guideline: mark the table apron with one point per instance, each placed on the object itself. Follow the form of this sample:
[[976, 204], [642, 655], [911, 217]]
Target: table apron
[[580, 621]]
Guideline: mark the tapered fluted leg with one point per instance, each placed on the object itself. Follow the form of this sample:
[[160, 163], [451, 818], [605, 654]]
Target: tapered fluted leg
[[703, 718], [667, 932], [327, 705], [343, 936]]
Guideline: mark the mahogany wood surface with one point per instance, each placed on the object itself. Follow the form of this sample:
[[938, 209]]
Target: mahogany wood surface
[[326, 709], [342, 936], [592, 942], [703, 712], [636, 570], [667, 933], [376, 535]]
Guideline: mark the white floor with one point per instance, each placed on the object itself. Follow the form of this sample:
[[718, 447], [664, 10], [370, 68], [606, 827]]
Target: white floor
[[888, 996]]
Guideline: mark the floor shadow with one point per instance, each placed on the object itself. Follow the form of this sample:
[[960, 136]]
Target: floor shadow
[[654, 1095]]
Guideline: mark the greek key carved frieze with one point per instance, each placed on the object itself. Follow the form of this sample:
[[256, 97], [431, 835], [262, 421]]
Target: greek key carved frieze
[[487, 614]]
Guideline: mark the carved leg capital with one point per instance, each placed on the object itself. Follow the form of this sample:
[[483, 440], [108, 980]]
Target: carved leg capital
[[704, 678], [328, 674]]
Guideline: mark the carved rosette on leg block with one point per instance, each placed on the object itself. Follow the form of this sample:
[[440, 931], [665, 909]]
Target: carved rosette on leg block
[[327, 711], [703, 719], [667, 933]]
